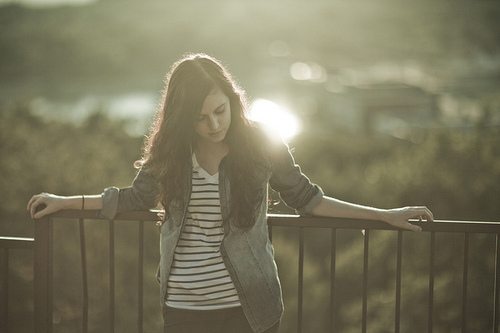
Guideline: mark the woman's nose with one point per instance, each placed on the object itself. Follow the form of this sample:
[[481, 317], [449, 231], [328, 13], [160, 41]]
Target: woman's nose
[[214, 122]]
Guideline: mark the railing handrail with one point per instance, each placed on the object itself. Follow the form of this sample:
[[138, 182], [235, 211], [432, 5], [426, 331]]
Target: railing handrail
[[16, 243], [312, 222], [143, 215], [347, 223]]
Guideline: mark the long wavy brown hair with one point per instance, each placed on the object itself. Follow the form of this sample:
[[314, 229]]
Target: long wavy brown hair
[[168, 147]]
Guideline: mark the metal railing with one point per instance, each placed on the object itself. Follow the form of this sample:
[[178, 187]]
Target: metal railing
[[7, 245], [43, 266], [439, 226], [43, 262]]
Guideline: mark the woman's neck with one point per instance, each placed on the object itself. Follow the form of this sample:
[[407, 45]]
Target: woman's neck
[[209, 155], [209, 148]]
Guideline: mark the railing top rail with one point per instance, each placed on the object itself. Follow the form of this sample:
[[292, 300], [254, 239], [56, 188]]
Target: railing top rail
[[313, 222], [345, 223], [147, 215], [16, 243]]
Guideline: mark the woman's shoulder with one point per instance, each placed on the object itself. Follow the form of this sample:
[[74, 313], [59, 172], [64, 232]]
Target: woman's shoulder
[[269, 142]]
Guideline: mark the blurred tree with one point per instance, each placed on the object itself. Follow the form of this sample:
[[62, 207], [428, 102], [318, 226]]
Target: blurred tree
[[59, 157], [454, 173]]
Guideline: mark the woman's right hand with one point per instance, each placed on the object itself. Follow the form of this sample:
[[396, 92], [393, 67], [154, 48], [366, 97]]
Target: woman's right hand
[[44, 203]]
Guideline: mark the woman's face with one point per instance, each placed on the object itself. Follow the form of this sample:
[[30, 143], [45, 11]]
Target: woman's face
[[214, 119]]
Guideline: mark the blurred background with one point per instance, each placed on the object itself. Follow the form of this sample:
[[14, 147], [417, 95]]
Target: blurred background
[[385, 103]]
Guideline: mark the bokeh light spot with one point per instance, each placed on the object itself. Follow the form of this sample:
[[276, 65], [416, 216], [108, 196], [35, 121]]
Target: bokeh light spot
[[310, 71]]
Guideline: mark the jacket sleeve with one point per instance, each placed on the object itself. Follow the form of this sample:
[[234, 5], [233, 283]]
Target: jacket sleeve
[[141, 195], [294, 188]]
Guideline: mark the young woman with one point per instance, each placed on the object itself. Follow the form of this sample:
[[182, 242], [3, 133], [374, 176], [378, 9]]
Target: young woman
[[210, 167]]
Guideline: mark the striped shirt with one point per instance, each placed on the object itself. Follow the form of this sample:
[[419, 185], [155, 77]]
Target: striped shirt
[[199, 279]]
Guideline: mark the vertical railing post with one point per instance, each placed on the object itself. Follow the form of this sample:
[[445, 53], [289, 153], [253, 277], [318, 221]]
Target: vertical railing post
[[496, 291], [83, 257], [364, 316], [398, 282], [43, 275], [465, 282], [112, 276], [301, 280], [140, 280], [4, 295], [333, 254], [430, 322]]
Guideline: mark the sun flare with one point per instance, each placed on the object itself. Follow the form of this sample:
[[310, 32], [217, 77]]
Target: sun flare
[[276, 117]]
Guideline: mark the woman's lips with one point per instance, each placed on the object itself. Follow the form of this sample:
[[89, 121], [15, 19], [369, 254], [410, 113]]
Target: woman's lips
[[216, 133]]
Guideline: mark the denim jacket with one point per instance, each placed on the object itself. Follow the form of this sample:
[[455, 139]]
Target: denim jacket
[[247, 253]]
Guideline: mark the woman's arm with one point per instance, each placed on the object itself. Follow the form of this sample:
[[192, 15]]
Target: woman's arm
[[50, 203], [397, 217]]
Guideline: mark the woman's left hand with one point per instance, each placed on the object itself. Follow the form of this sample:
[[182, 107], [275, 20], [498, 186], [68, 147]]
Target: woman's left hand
[[399, 217]]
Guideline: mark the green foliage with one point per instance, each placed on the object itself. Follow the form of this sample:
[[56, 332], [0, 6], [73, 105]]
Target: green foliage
[[452, 172], [59, 157], [63, 158]]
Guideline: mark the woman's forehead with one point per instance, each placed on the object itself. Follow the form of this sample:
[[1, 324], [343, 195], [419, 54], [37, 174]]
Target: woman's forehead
[[213, 101]]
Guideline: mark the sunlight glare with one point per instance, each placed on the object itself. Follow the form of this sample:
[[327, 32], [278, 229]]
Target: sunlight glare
[[276, 117]]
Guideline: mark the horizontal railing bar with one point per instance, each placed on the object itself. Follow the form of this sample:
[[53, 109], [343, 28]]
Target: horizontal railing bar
[[145, 215], [286, 216], [17, 243], [312, 222], [344, 223]]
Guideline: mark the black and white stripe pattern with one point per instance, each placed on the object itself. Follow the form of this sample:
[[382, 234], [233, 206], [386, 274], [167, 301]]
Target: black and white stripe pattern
[[198, 277]]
